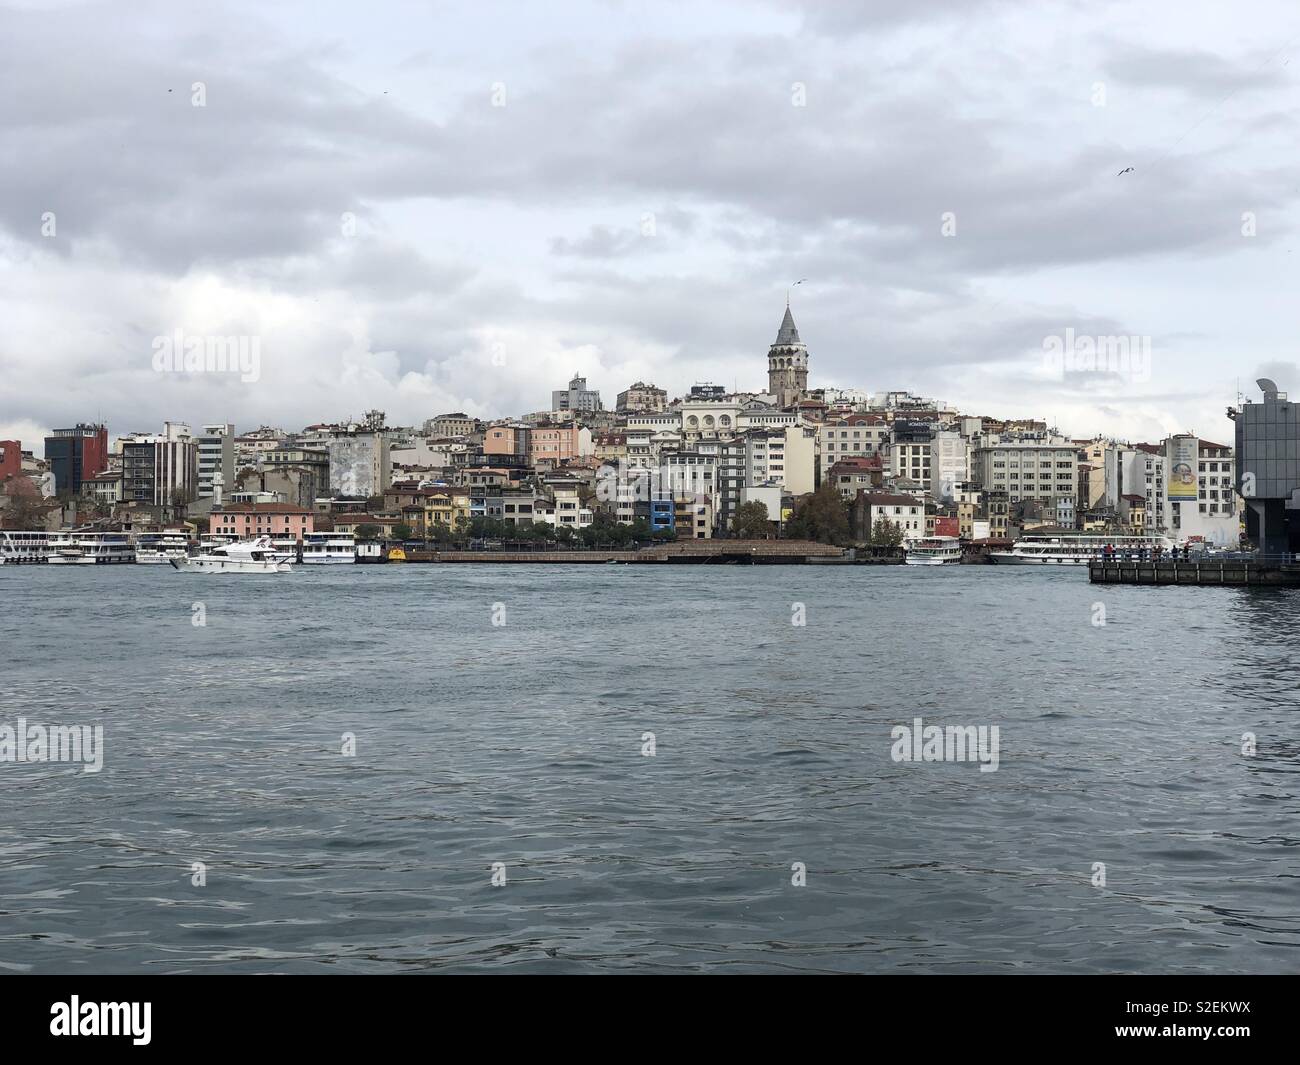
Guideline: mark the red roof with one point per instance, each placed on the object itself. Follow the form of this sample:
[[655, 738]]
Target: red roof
[[261, 508]]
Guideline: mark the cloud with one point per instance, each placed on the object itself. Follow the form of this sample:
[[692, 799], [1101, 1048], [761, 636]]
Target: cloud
[[638, 207]]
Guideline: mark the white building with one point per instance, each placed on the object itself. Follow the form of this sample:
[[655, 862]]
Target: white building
[[1046, 471], [949, 465], [216, 444]]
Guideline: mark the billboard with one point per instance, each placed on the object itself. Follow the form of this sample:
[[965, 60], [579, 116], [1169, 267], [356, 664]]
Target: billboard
[[1184, 464]]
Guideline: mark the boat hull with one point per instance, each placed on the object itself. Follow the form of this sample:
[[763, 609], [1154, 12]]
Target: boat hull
[[226, 565], [1006, 558]]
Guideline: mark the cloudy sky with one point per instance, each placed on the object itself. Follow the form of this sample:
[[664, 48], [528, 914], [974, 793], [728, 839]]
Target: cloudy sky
[[426, 207]]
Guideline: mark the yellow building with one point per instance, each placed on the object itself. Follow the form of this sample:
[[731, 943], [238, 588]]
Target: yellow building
[[445, 508]]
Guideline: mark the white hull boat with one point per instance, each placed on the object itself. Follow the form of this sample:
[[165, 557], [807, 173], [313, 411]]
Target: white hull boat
[[1079, 550], [933, 551], [245, 556]]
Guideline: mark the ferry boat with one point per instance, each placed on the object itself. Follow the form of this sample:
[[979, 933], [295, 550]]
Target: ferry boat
[[243, 556], [161, 548], [19, 546], [1065, 550], [328, 548], [89, 549], [933, 551]]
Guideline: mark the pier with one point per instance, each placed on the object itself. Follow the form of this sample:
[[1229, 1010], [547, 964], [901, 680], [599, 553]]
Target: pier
[[1213, 572]]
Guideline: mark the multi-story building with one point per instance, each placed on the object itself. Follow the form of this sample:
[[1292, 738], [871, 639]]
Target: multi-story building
[[641, 397], [360, 463], [853, 436], [11, 459], [1214, 515], [855, 474], [507, 439], [450, 425], [1267, 475], [564, 509], [246, 520], [949, 464], [216, 447], [906, 512], [75, 455], [551, 445], [1044, 471], [160, 469], [907, 451], [577, 397]]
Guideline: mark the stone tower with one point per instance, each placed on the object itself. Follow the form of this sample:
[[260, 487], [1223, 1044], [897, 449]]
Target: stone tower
[[787, 363]]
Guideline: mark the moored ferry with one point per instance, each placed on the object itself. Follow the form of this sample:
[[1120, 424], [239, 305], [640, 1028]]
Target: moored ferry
[[933, 551], [19, 546], [161, 548], [90, 548], [1067, 550], [328, 548]]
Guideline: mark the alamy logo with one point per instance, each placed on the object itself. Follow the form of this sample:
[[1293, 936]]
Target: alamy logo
[[53, 743], [179, 353], [102, 1018], [1077, 353], [954, 743]]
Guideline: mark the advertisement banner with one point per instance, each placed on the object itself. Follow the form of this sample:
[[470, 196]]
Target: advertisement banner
[[1184, 463]]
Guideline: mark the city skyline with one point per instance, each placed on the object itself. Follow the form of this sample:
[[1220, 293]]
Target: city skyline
[[458, 212]]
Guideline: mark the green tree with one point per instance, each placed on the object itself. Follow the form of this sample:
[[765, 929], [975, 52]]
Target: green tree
[[368, 531], [441, 533], [886, 533], [750, 521], [822, 516], [403, 532]]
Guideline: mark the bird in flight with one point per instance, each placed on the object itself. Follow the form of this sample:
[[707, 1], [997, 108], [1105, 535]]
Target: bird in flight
[[1127, 170]]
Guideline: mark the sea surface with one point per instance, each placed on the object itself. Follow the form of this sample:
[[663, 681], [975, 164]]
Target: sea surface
[[520, 747]]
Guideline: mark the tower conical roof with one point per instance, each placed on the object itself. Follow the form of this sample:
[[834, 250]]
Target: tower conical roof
[[788, 333]]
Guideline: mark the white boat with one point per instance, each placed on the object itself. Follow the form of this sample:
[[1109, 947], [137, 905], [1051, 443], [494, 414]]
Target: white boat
[[933, 551], [161, 548], [328, 548], [90, 549], [1066, 550], [18, 547], [243, 556], [371, 551]]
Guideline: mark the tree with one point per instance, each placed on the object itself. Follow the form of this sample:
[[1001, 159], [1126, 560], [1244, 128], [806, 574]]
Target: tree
[[403, 532], [886, 533], [368, 531], [25, 511], [441, 533], [750, 522], [821, 516]]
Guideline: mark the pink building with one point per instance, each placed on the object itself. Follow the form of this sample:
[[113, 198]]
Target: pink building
[[555, 443], [505, 440], [261, 519]]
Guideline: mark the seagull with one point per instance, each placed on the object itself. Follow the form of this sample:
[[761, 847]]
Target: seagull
[[1128, 170]]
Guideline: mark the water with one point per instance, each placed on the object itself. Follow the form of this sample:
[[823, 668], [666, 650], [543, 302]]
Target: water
[[521, 744]]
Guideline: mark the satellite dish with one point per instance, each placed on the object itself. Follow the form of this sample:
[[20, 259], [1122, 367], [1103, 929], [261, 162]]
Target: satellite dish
[[1267, 387]]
